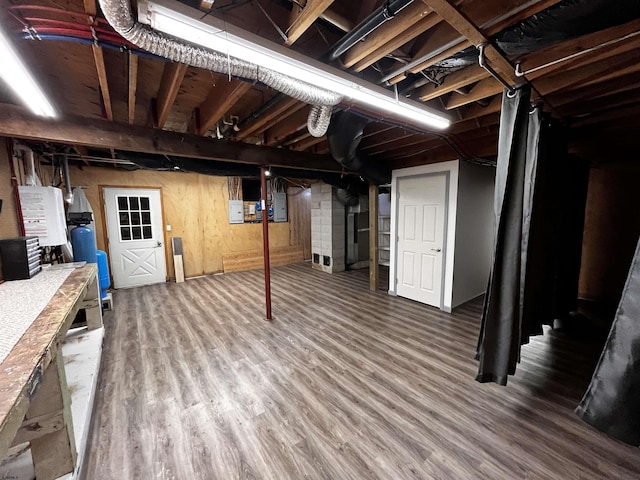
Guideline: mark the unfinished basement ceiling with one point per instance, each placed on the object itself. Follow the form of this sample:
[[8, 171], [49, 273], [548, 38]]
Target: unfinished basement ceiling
[[596, 93]]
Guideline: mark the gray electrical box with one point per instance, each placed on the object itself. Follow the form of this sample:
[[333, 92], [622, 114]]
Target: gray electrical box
[[236, 211], [279, 206]]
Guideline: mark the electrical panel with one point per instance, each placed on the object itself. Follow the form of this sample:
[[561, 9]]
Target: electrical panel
[[236, 211], [43, 214], [279, 203]]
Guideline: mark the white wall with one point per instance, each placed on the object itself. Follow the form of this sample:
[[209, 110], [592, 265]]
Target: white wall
[[450, 168], [474, 232]]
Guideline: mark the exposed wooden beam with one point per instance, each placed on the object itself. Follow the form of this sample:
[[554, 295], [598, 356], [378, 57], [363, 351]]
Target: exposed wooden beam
[[434, 40], [133, 86], [98, 58], [479, 124], [398, 41], [20, 123], [268, 116], [337, 20], [481, 147], [593, 72], [622, 84], [289, 126], [386, 137], [172, 77], [307, 143], [576, 45], [90, 7], [438, 45], [483, 89], [206, 4], [386, 33], [607, 116], [304, 18], [603, 103], [83, 152], [276, 120], [456, 80], [474, 111], [220, 99], [471, 32]]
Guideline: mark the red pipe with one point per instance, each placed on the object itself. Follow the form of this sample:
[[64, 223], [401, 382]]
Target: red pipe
[[265, 241], [78, 33]]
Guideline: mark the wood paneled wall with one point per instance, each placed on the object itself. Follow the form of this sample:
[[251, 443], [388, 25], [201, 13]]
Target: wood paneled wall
[[196, 208], [299, 202], [612, 226]]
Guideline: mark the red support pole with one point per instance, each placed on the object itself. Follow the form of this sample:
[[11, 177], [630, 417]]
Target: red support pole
[[265, 241]]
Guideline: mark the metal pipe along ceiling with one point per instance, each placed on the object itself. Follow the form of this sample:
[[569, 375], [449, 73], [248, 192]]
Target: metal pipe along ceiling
[[118, 13], [386, 12]]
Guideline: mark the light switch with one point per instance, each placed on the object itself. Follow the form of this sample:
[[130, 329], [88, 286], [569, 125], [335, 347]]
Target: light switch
[[168, 228]]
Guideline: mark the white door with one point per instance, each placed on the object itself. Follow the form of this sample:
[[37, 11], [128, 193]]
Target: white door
[[421, 223], [135, 231]]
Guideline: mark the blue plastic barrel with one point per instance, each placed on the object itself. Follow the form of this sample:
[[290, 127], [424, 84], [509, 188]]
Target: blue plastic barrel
[[103, 272], [83, 241]]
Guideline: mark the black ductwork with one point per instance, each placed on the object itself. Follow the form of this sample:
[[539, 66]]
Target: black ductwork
[[386, 12], [344, 135]]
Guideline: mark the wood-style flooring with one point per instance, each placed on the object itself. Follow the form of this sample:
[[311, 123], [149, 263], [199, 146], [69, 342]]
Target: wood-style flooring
[[343, 384]]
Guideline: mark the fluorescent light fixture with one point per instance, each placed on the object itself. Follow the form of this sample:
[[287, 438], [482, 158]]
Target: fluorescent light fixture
[[211, 33], [18, 78]]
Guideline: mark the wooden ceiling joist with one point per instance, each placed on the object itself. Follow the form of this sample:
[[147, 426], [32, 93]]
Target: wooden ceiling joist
[[565, 49], [259, 124], [396, 42], [303, 18], [404, 20], [133, 87], [172, 77], [471, 32], [218, 102], [588, 74], [294, 123], [481, 147], [285, 115], [386, 137], [309, 142], [98, 58], [483, 89], [20, 123], [454, 81], [437, 46], [623, 84]]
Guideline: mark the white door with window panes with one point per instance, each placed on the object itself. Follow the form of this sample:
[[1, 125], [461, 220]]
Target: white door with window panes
[[136, 239]]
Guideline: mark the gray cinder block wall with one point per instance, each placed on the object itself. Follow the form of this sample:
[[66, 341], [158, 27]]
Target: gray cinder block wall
[[327, 229]]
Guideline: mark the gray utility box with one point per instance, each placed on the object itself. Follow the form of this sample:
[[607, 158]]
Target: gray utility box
[[236, 211], [279, 201]]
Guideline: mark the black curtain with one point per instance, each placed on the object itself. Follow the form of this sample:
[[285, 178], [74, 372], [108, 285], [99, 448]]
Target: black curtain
[[499, 343], [539, 205], [612, 401]]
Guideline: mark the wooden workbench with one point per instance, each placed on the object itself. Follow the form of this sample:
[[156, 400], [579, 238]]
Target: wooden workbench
[[34, 398]]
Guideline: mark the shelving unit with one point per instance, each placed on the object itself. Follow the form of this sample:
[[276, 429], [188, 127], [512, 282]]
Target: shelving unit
[[384, 239]]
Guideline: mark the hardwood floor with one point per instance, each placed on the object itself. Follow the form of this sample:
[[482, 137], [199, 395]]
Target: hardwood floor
[[343, 384]]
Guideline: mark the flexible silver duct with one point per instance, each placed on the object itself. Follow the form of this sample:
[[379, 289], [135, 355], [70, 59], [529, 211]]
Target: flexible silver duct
[[318, 120], [118, 13]]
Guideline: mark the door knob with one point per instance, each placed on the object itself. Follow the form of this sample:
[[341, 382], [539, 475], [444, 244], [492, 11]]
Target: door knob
[[159, 244], [436, 250]]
